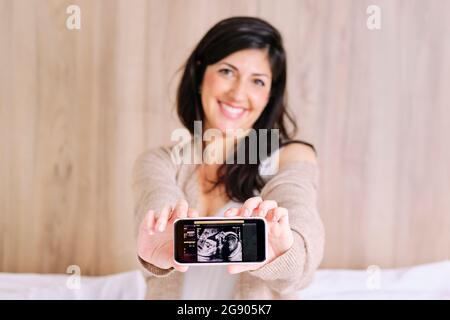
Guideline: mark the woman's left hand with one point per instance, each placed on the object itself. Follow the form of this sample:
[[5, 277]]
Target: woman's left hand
[[280, 236]]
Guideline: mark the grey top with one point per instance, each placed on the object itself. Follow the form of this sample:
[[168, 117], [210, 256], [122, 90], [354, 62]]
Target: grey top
[[157, 180]]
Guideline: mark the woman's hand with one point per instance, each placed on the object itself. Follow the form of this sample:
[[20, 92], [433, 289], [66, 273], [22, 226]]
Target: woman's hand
[[155, 239], [280, 238]]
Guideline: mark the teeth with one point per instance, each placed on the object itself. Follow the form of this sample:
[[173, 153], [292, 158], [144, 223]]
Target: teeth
[[232, 109]]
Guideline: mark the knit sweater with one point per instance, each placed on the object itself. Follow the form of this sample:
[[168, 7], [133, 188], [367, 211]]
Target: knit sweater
[[157, 180]]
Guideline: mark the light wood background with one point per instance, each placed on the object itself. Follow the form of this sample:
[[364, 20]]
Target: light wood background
[[77, 107]]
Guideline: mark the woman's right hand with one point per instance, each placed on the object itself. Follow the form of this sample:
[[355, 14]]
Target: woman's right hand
[[155, 239]]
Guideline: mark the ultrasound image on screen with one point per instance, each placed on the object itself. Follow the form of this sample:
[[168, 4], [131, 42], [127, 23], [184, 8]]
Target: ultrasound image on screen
[[219, 241], [219, 244]]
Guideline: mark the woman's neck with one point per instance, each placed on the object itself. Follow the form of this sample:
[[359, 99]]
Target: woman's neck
[[218, 148]]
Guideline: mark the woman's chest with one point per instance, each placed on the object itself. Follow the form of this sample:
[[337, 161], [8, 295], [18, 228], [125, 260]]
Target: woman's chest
[[211, 202], [210, 199]]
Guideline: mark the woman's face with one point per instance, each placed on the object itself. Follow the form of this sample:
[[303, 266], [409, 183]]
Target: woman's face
[[236, 89]]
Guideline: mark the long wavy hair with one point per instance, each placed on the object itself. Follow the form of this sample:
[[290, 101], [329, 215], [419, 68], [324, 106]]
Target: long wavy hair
[[241, 181]]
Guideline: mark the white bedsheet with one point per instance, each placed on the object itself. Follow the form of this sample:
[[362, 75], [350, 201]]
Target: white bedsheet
[[128, 285], [431, 281]]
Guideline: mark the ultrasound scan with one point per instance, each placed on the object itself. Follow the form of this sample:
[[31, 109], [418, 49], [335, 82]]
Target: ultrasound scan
[[222, 244]]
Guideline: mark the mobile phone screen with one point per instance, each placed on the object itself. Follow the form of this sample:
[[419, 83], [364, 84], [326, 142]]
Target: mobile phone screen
[[220, 240]]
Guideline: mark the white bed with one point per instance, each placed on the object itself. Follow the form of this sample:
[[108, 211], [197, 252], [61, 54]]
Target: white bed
[[431, 281]]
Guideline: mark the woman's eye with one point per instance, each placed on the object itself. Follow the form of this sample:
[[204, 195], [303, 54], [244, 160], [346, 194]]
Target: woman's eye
[[259, 82], [226, 72]]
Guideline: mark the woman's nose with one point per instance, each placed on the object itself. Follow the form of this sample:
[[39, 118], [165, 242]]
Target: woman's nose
[[237, 91]]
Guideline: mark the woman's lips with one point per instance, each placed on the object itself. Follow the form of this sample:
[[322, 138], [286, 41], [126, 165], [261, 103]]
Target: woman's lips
[[231, 112]]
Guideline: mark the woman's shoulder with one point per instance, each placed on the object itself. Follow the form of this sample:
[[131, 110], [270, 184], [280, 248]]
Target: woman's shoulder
[[175, 158], [293, 156], [160, 157], [158, 153], [161, 161], [297, 152]]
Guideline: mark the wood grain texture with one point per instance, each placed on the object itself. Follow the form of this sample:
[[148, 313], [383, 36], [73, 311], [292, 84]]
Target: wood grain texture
[[77, 107]]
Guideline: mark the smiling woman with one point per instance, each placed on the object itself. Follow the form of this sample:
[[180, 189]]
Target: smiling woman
[[78, 106], [234, 80]]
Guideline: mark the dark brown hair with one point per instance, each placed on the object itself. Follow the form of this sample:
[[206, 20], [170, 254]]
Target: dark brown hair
[[226, 37]]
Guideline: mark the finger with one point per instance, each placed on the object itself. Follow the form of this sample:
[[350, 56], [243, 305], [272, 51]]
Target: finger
[[250, 205], [146, 225], [270, 215], [231, 212], [193, 213], [150, 221], [279, 214], [162, 219], [265, 206], [283, 217], [181, 209], [180, 267]]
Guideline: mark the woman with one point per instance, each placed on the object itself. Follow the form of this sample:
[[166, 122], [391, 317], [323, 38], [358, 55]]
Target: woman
[[234, 80]]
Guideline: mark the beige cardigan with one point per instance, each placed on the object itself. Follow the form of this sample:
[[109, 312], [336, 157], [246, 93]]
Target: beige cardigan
[[158, 181]]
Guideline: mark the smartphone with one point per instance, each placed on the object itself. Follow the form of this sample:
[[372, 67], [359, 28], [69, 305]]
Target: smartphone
[[218, 241]]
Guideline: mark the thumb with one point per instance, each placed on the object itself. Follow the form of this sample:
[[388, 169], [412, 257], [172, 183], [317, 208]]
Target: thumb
[[179, 267]]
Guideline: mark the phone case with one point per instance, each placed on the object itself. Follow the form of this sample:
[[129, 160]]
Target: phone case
[[222, 263]]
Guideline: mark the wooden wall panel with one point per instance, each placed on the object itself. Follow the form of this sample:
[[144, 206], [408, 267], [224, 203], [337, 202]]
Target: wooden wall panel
[[77, 107]]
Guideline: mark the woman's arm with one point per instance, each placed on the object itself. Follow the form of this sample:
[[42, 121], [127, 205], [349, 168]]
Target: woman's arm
[[154, 186], [294, 187]]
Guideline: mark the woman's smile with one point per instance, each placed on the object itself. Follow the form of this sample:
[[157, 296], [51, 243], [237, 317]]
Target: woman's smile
[[230, 111]]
